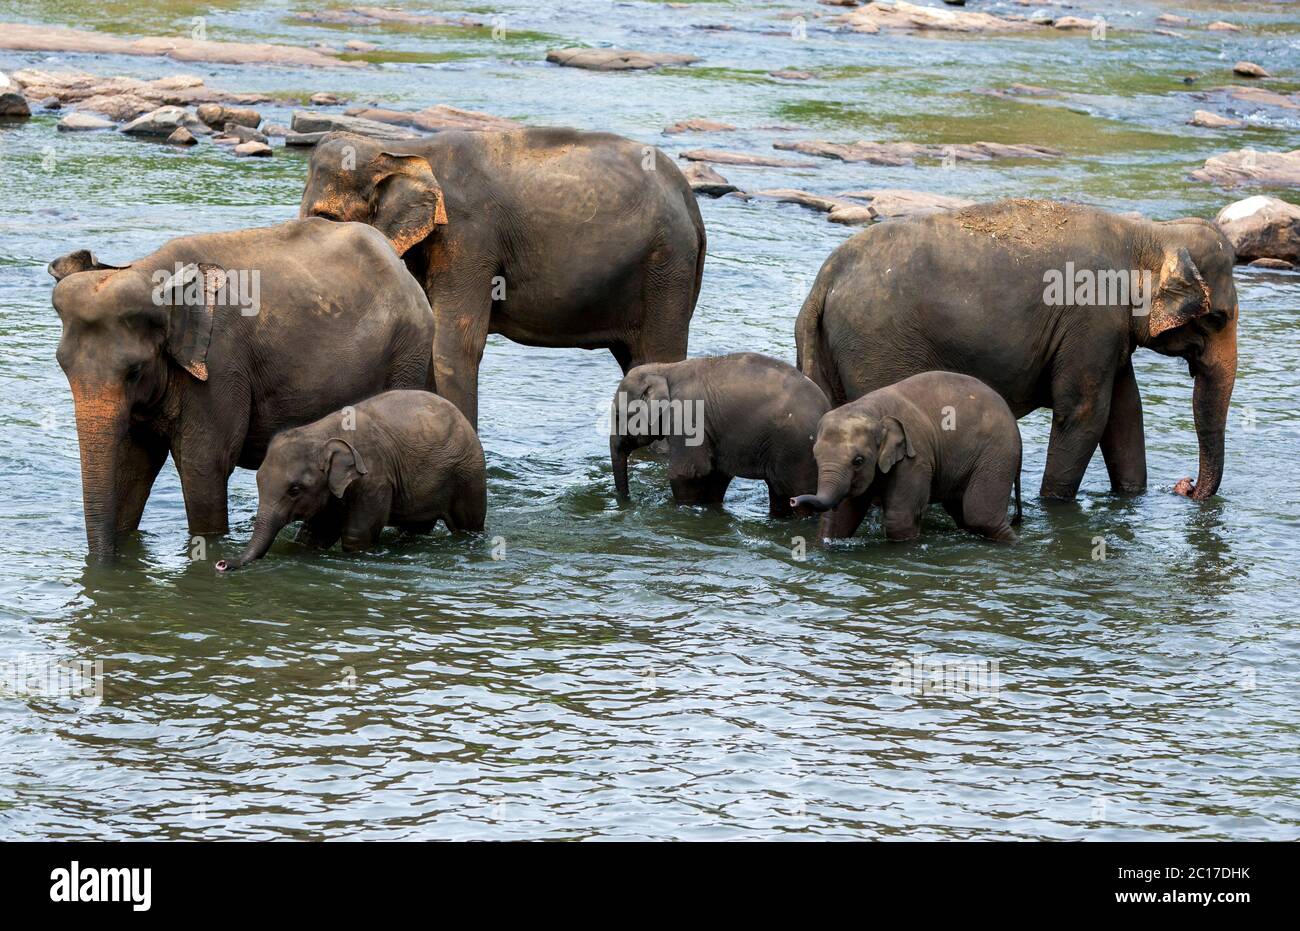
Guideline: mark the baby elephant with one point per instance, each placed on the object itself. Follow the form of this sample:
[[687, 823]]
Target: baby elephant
[[937, 436], [399, 459], [740, 415]]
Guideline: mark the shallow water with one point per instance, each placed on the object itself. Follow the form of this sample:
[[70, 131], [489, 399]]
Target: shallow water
[[649, 670]]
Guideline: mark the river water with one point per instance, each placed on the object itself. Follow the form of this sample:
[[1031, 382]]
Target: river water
[[591, 670]]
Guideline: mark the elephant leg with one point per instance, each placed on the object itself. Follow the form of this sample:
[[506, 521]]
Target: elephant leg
[[778, 501], [324, 529], [905, 501], [203, 485], [667, 303], [468, 509], [140, 459], [461, 324], [984, 509], [706, 489], [366, 517], [845, 518], [1079, 415], [1123, 442]]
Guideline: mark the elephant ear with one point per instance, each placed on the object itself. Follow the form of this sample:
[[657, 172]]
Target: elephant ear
[[895, 444], [190, 295], [343, 465], [83, 260], [408, 201], [1181, 294]]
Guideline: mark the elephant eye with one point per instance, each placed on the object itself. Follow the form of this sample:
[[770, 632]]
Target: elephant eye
[[858, 460], [134, 372], [295, 490]]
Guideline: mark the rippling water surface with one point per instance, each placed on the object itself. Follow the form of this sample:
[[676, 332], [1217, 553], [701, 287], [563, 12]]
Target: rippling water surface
[[650, 671]]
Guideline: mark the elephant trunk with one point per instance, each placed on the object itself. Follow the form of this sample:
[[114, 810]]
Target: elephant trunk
[[618, 452], [832, 487], [102, 423], [1216, 373], [266, 528]]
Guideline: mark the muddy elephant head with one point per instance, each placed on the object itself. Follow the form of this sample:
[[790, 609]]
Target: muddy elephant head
[[851, 449], [642, 391], [299, 476], [352, 178], [1192, 313], [127, 333]]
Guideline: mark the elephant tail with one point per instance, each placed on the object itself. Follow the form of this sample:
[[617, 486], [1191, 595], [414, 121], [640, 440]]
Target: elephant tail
[[811, 355]]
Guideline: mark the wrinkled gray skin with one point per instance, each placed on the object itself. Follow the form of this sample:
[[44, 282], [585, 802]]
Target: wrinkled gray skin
[[550, 237], [759, 417], [965, 292], [410, 461], [173, 367], [892, 445]]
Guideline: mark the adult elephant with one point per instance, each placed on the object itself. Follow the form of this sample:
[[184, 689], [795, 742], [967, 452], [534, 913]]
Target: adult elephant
[[550, 237], [209, 346], [1045, 302]]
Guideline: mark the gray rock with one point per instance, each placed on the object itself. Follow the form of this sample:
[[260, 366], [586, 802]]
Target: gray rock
[[615, 59], [704, 180], [14, 106], [164, 121], [1249, 166], [1248, 69], [218, 115], [51, 103], [305, 121], [1262, 227], [244, 133], [1275, 264], [253, 149], [83, 122], [182, 136], [303, 140], [1212, 120]]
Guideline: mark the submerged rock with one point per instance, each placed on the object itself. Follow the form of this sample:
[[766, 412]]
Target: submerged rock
[[1262, 228], [1214, 121], [83, 122], [739, 158], [894, 203], [323, 99], [182, 136], [1271, 169], [615, 59], [30, 38], [904, 153], [1276, 264], [792, 75], [435, 118], [699, 126], [123, 98], [704, 180], [374, 16]]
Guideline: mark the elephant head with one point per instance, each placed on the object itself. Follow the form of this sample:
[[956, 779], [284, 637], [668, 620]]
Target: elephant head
[[852, 447], [352, 178], [641, 390], [1192, 313], [126, 334], [297, 479]]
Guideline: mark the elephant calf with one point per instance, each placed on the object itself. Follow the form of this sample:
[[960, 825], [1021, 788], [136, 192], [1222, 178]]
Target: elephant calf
[[937, 436], [743, 415], [400, 459]]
